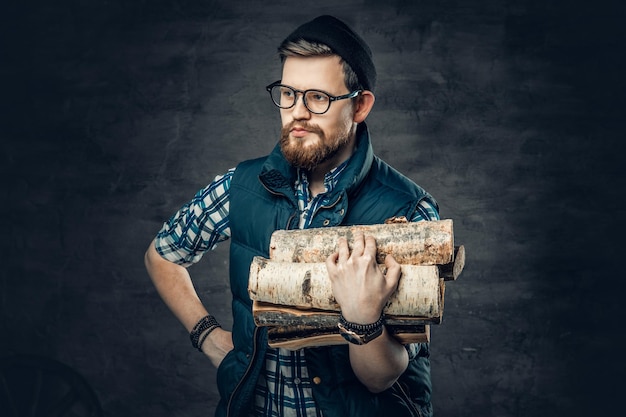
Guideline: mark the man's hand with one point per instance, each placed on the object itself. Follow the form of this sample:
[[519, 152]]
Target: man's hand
[[362, 291], [358, 284], [175, 288]]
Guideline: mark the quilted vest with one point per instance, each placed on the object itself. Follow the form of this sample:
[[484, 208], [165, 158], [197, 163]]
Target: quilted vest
[[262, 200]]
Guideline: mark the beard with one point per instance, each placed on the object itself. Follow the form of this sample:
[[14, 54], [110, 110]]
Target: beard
[[309, 157]]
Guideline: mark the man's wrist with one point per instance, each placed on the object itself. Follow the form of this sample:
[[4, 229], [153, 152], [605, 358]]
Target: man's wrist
[[201, 331], [360, 334]]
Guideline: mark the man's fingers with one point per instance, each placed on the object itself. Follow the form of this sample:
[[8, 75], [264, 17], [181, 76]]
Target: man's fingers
[[393, 270], [331, 261], [370, 246], [358, 246], [343, 250]]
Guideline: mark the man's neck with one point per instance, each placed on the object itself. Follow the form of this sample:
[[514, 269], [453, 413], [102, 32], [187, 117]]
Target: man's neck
[[317, 175], [316, 185]]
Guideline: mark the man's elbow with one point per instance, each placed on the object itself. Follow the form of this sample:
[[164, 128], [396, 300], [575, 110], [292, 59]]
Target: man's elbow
[[152, 260], [377, 386], [382, 380], [147, 256]]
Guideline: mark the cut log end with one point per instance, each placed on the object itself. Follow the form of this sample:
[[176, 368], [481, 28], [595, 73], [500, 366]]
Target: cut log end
[[451, 271]]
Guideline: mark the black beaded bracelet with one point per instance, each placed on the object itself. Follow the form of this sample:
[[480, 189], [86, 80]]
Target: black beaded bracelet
[[360, 334], [362, 327], [204, 336], [206, 325]]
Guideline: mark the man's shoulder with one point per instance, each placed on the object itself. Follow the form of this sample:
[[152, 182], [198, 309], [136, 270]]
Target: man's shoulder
[[385, 175], [249, 167]]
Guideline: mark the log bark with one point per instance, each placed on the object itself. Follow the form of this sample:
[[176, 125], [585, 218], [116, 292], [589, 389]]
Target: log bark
[[272, 315], [285, 338], [414, 243], [307, 286]]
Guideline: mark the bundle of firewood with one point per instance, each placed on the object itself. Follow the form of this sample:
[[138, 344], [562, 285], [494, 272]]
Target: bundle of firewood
[[292, 294]]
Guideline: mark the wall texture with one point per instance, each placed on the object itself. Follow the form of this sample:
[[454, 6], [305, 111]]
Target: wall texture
[[509, 112]]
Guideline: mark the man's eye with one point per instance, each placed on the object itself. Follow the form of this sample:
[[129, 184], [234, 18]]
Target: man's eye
[[287, 93], [318, 97]]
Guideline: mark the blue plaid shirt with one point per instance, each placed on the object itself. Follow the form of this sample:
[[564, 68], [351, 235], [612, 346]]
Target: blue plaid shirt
[[284, 387]]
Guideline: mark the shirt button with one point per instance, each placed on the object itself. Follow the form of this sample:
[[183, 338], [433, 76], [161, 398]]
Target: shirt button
[[296, 381], [317, 380]]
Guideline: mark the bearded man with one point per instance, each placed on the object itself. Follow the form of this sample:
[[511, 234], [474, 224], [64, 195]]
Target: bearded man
[[322, 173]]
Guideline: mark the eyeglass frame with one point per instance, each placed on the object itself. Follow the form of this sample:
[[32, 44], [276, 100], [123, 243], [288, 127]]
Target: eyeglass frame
[[331, 97]]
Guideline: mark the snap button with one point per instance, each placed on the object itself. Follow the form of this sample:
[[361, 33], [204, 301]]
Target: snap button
[[296, 381], [317, 380]]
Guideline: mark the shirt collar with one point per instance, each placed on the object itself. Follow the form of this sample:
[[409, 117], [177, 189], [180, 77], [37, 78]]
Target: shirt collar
[[331, 178]]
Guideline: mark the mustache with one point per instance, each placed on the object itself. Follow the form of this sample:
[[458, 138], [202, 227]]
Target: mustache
[[313, 128]]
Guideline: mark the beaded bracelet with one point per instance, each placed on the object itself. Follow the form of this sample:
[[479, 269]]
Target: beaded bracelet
[[206, 325], [362, 327]]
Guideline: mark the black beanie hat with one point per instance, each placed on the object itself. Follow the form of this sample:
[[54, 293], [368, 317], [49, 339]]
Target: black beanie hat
[[343, 41]]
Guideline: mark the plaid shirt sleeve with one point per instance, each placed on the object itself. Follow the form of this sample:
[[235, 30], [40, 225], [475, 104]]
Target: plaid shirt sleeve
[[425, 211], [199, 225]]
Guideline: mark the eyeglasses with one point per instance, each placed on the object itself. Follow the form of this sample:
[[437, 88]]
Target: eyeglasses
[[316, 101]]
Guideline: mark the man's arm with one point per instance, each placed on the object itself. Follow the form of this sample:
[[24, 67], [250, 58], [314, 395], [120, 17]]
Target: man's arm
[[362, 291], [175, 287]]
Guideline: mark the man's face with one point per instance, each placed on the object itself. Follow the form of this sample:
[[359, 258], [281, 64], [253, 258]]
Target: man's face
[[309, 140]]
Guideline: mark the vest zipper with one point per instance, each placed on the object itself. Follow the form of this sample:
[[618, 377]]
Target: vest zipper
[[245, 375]]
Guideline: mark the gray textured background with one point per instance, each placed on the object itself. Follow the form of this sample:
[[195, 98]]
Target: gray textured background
[[509, 112]]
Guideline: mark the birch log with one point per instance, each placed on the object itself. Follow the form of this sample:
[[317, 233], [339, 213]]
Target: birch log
[[281, 338], [414, 243], [293, 329], [307, 286], [295, 319]]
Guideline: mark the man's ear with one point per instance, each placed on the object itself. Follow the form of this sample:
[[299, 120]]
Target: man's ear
[[364, 104]]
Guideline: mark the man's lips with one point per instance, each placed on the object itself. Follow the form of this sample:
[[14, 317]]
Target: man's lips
[[298, 132]]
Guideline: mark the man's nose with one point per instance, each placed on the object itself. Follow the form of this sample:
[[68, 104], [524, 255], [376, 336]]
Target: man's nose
[[299, 110]]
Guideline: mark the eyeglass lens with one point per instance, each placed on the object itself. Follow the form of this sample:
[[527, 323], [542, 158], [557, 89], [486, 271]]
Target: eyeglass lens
[[285, 97]]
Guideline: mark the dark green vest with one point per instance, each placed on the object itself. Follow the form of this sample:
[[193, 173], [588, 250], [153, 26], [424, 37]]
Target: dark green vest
[[262, 200]]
